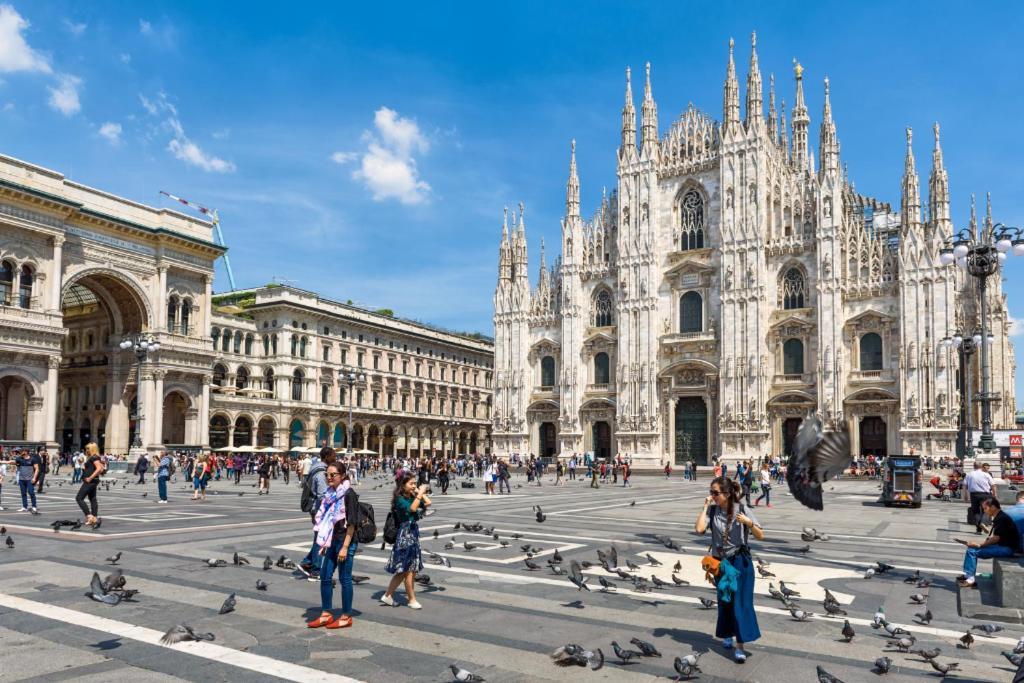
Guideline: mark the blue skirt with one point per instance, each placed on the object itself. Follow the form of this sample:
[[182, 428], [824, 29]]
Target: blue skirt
[[405, 553], [737, 619]]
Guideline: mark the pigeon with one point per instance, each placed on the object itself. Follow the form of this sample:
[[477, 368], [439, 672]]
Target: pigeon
[[632, 503], [557, 570], [633, 566], [924, 618], [10, 542], [504, 544], [918, 599], [765, 574], [824, 676], [449, 545], [894, 631], [646, 648], [677, 566], [799, 614], [928, 654], [228, 606], [686, 666], [625, 655], [848, 632], [114, 559], [101, 593], [422, 579], [787, 591], [541, 517], [833, 608], [531, 565], [943, 668], [903, 644], [967, 640], [882, 665], [114, 581], [1018, 649], [804, 550], [706, 603], [913, 578], [463, 676], [211, 562], [576, 576], [879, 616], [145, 494], [868, 573], [267, 564], [625, 576], [988, 629], [653, 561], [658, 582], [517, 536], [924, 583], [469, 546], [679, 582], [183, 632], [606, 585], [1012, 658], [882, 567], [239, 560], [436, 533], [556, 558], [525, 548], [817, 457], [575, 655], [774, 592], [261, 585]]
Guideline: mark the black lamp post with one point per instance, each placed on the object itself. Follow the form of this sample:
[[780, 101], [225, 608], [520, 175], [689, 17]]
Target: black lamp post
[[142, 345], [351, 378], [447, 424]]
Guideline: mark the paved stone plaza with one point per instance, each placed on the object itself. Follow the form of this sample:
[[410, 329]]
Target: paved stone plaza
[[486, 612]]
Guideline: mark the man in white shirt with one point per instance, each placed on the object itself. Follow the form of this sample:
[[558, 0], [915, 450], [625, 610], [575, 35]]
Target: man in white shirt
[[979, 487], [304, 465]]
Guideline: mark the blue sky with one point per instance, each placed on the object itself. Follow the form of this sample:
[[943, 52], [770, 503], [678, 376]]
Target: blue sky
[[366, 151]]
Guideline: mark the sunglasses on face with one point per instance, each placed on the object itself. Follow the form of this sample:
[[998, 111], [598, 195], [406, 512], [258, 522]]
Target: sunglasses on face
[[331, 475], [713, 492]]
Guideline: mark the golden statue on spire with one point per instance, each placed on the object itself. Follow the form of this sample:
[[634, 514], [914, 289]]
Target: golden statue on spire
[[797, 69]]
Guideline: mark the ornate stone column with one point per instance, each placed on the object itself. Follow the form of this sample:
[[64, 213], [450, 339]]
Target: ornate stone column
[[204, 412], [52, 399], [36, 419], [56, 276], [208, 310], [117, 414], [157, 433], [146, 406], [672, 431], [161, 297]]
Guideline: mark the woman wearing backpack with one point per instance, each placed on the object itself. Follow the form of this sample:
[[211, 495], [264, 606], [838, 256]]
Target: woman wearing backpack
[[335, 537], [407, 505]]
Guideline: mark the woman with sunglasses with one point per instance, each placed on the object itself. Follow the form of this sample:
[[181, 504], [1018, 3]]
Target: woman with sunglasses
[[408, 504], [731, 527], [335, 537]]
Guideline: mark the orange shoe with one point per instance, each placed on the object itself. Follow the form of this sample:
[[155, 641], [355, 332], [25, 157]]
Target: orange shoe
[[340, 622], [322, 620]]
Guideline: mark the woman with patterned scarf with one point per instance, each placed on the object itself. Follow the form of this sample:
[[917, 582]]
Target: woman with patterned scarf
[[336, 539]]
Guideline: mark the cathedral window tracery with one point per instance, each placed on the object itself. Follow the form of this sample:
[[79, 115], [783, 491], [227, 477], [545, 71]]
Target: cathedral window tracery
[[794, 289], [603, 310], [691, 218]]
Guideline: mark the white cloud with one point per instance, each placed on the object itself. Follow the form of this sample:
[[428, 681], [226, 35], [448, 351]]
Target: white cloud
[[64, 95], [112, 132], [148, 105], [180, 145], [145, 27], [15, 52], [344, 157], [1016, 327], [75, 29], [388, 166], [125, 58]]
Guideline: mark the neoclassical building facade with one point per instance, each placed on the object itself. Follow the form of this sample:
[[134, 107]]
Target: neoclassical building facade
[[81, 270], [281, 358], [731, 284]]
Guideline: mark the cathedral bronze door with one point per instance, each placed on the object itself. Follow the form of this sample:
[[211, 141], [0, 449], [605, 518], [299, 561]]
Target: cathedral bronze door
[[548, 439], [602, 434], [691, 430], [873, 439], [789, 429]]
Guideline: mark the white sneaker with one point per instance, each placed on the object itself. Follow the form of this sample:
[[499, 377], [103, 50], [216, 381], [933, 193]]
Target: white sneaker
[[740, 656], [22, 509], [35, 512], [387, 600], [161, 502], [727, 643], [1, 509], [415, 605]]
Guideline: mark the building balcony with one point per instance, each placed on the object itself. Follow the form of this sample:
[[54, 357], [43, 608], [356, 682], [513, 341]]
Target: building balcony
[[794, 379], [602, 389], [871, 376]]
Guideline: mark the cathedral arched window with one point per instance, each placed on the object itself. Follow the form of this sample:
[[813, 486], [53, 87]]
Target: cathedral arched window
[[547, 371], [603, 309], [172, 313], [691, 218], [793, 357], [241, 378], [266, 345], [268, 382], [186, 313], [219, 373], [238, 342], [215, 334], [295, 345], [871, 352], [691, 312], [794, 288], [248, 344], [297, 379], [25, 289], [6, 282], [602, 371]]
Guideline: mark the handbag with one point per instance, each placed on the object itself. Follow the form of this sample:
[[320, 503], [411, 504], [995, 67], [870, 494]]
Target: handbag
[[711, 565]]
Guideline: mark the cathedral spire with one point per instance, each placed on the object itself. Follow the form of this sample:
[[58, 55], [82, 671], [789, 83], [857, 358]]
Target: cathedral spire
[[731, 99], [784, 131], [755, 109], [910, 201], [800, 121], [649, 130], [504, 251], [972, 225], [828, 141], [519, 255], [773, 124], [543, 261], [988, 212], [628, 120], [572, 187], [938, 190]]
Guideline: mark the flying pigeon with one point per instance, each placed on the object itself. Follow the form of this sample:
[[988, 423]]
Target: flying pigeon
[[574, 655], [576, 576], [817, 457], [183, 632]]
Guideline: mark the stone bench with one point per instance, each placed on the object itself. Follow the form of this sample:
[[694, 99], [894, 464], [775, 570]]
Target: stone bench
[[1008, 578]]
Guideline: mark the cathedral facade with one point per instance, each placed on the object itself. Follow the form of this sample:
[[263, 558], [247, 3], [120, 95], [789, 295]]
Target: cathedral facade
[[729, 286]]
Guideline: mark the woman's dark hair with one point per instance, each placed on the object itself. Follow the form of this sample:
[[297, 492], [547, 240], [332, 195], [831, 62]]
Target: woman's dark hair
[[399, 485], [340, 466], [731, 489]]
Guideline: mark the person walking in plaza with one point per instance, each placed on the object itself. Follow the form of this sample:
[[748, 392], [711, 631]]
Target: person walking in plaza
[[28, 472], [263, 469], [164, 470], [746, 480], [93, 469], [407, 503], [443, 479], [77, 461], [979, 487], [3, 475], [200, 476], [140, 468], [503, 477], [1002, 541], [335, 536], [627, 470], [572, 468], [559, 471], [731, 527], [315, 482], [765, 481]]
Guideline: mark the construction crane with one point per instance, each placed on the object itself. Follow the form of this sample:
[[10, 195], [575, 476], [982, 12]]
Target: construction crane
[[215, 219]]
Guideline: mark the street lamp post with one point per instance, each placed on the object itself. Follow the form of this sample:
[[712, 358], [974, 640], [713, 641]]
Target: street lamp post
[[980, 255], [447, 424], [966, 345], [351, 378], [142, 345]]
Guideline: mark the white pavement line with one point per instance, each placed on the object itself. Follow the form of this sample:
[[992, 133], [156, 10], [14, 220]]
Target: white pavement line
[[206, 650]]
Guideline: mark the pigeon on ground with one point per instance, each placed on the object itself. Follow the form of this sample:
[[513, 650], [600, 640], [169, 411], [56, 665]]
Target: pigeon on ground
[[654, 562], [10, 542], [1018, 649], [531, 565], [633, 566], [574, 655], [913, 578], [903, 644], [799, 614], [606, 585], [943, 668], [541, 517], [436, 533], [115, 558], [625, 655], [925, 617], [267, 564], [686, 666], [833, 608], [470, 546], [557, 570], [706, 603], [525, 548], [239, 560], [882, 567], [556, 558], [212, 562], [422, 579], [114, 580], [967, 640], [646, 648], [3, 531], [678, 566], [504, 544], [261, 585], [928, 654], [679, 582], [183, 632], [848, 632], [765, 574], [988, 629], [894, 631], [228, 606], [1012, 658], [576, 576], [824, 676], [450, 545], [787, 591], [463, 676], [918, 599], [774, 592], [817, 457], [868, 573], [882, 665], [804, 550], [100, 592]]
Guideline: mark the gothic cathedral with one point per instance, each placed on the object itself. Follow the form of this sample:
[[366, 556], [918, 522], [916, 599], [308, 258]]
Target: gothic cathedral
[[730, 286]]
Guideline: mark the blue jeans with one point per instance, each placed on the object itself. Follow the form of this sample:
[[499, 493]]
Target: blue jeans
[[77, 476], [27, 489], [330, 561], [161, 486], [974, 554]]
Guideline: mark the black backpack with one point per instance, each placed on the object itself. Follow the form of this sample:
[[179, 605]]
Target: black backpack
[[390, 528], [360, 515], [307, 501]]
